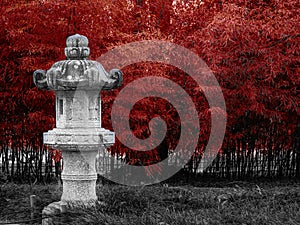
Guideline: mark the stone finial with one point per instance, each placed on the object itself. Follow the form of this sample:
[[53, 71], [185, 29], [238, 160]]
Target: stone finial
[[77, 47]]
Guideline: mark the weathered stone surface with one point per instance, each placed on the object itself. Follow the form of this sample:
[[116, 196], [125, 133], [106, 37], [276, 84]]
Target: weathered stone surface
[[78, 109], [79, 177], [96, 137]]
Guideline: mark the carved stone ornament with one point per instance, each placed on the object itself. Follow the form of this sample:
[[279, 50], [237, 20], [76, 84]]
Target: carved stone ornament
[[91, 137], [77, 72]]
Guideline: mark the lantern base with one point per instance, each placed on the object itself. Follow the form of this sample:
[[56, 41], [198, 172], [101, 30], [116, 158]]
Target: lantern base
[[54, 212]]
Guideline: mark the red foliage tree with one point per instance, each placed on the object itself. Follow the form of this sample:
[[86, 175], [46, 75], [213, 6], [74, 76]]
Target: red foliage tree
[[251, 46]]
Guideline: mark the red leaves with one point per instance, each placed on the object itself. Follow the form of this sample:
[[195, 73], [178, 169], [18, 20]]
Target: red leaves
[[56, 155], [252, 47]]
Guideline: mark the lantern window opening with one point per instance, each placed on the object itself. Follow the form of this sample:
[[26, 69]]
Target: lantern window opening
[[61, 106]]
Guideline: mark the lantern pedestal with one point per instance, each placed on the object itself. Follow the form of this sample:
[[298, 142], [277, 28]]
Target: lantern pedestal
[[79, 177], [79, 149]]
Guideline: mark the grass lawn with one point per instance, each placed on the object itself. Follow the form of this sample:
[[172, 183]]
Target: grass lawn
[[239, 203]]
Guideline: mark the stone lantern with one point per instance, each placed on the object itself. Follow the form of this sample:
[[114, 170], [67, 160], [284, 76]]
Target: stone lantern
[[77, 83]]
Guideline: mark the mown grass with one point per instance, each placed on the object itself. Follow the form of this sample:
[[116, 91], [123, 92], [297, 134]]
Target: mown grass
[[236, 203]]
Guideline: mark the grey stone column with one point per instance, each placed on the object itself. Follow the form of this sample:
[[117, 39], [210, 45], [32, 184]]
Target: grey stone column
[[79, 176]]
